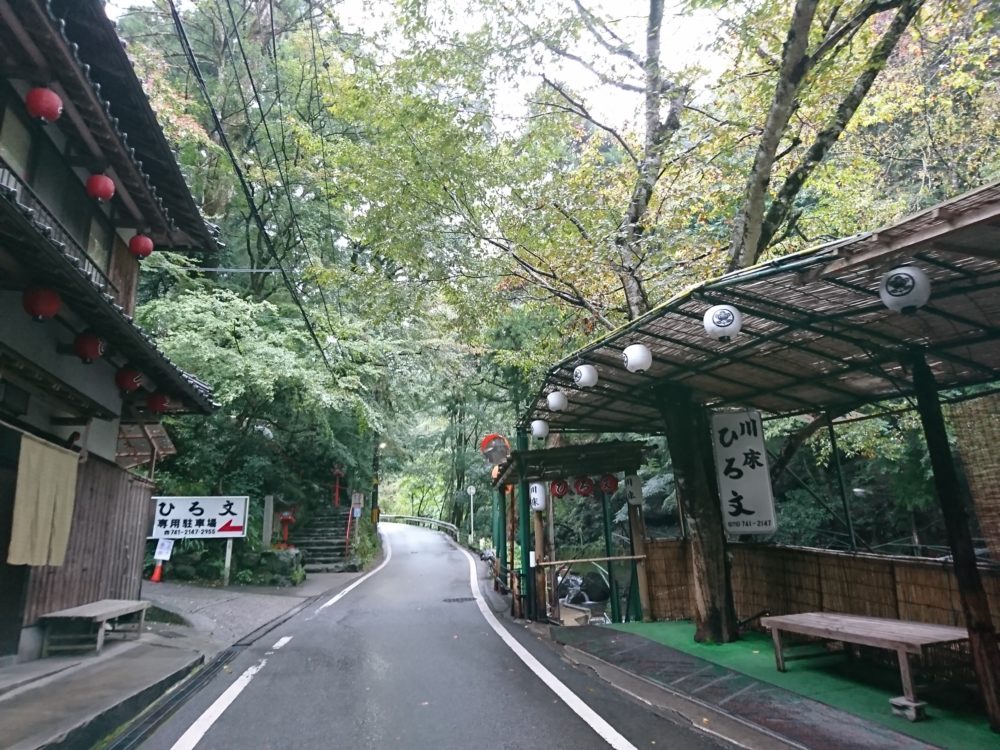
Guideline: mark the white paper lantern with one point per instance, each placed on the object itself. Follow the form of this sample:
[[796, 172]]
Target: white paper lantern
[[537, 495], [723, 322], [905, 289], [539, 429], [585, 376], [556, 400], [633, 490], [637, 358]]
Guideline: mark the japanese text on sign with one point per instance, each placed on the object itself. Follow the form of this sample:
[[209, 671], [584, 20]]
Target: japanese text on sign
[[744, 479], [201, 517]]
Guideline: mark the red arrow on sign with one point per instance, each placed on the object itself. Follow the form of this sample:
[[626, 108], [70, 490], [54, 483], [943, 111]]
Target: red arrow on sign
[[228, 526]]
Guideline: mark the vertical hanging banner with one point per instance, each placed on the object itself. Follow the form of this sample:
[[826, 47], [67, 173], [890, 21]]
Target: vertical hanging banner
[[741, 466]]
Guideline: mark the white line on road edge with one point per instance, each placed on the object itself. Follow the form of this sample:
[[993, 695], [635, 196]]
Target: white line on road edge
[[204, 722], [281, 642], [607, 732], [365, 577]]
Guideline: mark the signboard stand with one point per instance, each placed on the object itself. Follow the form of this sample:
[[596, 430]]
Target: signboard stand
[[229, 562]]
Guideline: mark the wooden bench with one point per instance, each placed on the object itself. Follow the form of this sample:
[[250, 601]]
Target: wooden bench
[[83, 628], [901, 636]]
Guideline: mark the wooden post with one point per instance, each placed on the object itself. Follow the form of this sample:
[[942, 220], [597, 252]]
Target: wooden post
[[954, 505], [538, 521], [229, 561], [637, 531], [689, 441], [268, 531]]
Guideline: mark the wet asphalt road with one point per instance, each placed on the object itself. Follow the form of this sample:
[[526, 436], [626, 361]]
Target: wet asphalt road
[[406, 660]]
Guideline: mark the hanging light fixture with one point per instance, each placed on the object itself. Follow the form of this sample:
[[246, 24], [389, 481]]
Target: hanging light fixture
[[583, 486], [585, 376], [536, 494], [556, 401], [608, 484], [100, 187], [140, 246], [41, 303], [128, 379], [539, 429], [633, 489], [722, 322], [157, 403], [905, 289], [43, 104], [637, 358], [88, 346], [559, 488]]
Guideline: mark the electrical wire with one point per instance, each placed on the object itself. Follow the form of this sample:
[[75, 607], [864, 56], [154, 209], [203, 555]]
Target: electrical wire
[[227, 147]]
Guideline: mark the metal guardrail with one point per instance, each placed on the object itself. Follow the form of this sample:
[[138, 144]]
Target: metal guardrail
[[450, 528]]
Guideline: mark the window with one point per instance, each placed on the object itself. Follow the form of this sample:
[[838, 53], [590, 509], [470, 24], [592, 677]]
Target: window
[[15, 143]]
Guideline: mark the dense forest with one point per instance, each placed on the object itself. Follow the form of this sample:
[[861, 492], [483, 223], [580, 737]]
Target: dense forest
[[426, 202]]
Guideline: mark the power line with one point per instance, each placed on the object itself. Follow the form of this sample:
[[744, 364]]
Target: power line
[[224, 141]]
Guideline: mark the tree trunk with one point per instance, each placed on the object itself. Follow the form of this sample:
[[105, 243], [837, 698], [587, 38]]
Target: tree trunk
[[688, 439]]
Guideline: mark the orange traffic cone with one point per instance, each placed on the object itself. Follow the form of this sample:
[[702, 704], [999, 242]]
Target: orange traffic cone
[[157, 572]]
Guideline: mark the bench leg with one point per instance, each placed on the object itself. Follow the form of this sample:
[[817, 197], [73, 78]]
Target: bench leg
[[779, 657], [906, 676], [907, 706], [100, 637]]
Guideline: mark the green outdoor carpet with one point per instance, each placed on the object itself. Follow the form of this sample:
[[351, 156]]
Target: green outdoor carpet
[[860, 689]]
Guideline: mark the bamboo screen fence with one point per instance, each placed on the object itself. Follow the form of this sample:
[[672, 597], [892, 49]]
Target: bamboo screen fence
[[976, 426]]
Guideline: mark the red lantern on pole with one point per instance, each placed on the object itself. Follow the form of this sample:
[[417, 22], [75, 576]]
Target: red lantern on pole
[[583, 486], [43, 104], [140, 246], [128, 379], [559, 488], [608, 484], [157, 403], [41, 303], [88, 347], [100, 187]]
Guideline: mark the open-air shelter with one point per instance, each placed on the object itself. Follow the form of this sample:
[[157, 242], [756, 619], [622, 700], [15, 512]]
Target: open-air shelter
[[815, 339]]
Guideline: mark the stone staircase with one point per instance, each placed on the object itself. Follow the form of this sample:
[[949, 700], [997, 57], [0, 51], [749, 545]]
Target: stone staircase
[[323, 541]]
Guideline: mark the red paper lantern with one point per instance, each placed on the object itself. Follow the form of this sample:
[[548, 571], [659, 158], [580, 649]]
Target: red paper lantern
[[157, 403], [128, 380], [88, 347], [43, 104], [140, 246], [583, 486], [100, 187], [40, 303], [608, 484], [559, 488]]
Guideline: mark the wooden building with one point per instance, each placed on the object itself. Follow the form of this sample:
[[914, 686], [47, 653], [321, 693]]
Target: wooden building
[[88, 186]]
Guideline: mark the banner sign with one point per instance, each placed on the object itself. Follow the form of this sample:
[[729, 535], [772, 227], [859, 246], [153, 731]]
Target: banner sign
[[163, 549], [199, 517], [741, 466]]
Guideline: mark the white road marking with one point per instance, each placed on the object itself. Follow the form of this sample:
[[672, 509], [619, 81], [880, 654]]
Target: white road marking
[[606, 732], [365, 577], [204, 722], [281, 642]]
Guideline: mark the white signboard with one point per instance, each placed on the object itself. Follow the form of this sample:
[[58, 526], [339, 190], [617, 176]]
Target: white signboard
[[200, 517], [744, 479], [357, 499], [163, 549]]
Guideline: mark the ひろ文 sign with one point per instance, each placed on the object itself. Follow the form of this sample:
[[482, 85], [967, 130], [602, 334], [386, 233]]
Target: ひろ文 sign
[[199, 517], [744, 478]]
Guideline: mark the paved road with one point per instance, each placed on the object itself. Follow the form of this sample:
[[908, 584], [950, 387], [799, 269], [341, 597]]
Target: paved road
[[407, 658]]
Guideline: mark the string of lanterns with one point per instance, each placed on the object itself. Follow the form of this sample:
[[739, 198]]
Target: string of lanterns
[[584, 486]]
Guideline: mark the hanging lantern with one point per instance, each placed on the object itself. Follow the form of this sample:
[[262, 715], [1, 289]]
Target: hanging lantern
[[723, 322], [637, 358], [128, 379], [559, 488], [495, 449], [157, 403], [536, 493], [583, 486], [585, 376], [140, 246], [41, 303], [905, 289], [43, 104], [608, 484], [88, 347], [100, 187], [633, 490], [539, 429], [556, 401]]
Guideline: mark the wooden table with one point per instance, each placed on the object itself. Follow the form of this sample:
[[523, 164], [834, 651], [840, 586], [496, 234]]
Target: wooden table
[[902, 636], [83, 627]]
